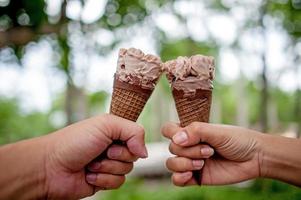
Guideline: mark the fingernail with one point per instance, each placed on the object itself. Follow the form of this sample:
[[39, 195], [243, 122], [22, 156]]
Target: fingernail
[[207, 151], [114, 152], [180, 137], [91, 178], [198, 164], [94, 166]]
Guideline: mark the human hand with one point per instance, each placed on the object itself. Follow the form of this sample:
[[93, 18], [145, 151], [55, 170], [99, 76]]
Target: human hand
[[237, 153], [73, 168]]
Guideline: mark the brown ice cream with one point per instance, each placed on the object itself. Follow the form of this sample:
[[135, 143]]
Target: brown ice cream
[[135, 67], [189, 74]]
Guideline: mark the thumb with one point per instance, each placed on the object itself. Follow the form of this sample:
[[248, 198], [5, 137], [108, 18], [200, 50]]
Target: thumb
[[117, 128], [198, 132], [80, 143]]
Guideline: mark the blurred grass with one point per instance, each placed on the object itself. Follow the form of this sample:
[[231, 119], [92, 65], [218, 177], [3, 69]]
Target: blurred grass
[[143, 190]]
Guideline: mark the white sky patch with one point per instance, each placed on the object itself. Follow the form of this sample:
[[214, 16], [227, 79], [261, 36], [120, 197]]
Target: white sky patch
[[101, 72], [36, 82], [251, 65], [197, 29], [275, 50], [93, 10], [222, 28], [170, 24], [289, 81], [53, 7], [103, 37], [251, 41], [9, 81], [187, 8], [73, 10], [229, 65]]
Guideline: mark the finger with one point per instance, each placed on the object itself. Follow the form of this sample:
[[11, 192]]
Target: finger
[[198, 132], [182, 179], [170, 129], [105, 181], [195, 152], [110, 167], [117, 128], [121, 153], [182, 164]]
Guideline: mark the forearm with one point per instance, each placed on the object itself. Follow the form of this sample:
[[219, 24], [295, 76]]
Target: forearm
[[22, 170], [281, 159]]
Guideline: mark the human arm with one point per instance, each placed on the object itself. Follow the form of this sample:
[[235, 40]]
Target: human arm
[[59, 165], [240, 154]]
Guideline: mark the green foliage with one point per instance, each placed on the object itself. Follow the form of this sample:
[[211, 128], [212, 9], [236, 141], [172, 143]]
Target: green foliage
[[228, 101], [285, 105], [290, 12], [65, 51], [97, 101], [253, 93], [16, 125], [185, 47], [139, 190], [33, 9], [218, 5]]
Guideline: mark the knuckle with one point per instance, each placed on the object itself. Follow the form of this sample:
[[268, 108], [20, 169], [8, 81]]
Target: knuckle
[[169, 164], [164, 129], [186, 164], [140, 130], [128, 168], [176, 181]]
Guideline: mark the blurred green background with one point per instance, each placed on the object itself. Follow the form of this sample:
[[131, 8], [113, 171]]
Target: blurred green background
[[58, 57]]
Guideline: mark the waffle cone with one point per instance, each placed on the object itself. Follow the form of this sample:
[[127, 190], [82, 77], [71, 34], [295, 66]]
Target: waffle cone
[[128, 100], [193, 108]]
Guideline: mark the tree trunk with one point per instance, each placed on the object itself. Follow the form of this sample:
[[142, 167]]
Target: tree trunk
[[216, 111], [298, 101], [75, 104], [264, 80], [242, 103], [298, 110]]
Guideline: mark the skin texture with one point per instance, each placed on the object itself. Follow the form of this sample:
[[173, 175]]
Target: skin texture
[[66, 164], [234, 154]]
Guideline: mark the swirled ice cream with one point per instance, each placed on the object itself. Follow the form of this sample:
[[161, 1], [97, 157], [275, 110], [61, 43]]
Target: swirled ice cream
[[137, 68], [189, 74]]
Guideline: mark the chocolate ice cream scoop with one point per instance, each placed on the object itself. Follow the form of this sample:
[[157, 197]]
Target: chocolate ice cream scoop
[[137, 68]]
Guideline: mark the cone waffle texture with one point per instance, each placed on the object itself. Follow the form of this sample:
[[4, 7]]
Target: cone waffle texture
[[193, 108], [128, 100]]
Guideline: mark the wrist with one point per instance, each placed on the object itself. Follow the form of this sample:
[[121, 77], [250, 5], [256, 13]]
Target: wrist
[[280, 158], [261, 139]]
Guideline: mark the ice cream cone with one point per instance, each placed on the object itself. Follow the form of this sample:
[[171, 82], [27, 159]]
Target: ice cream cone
[[128, 100], [195, 108], [134, 82], [191, 84]]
